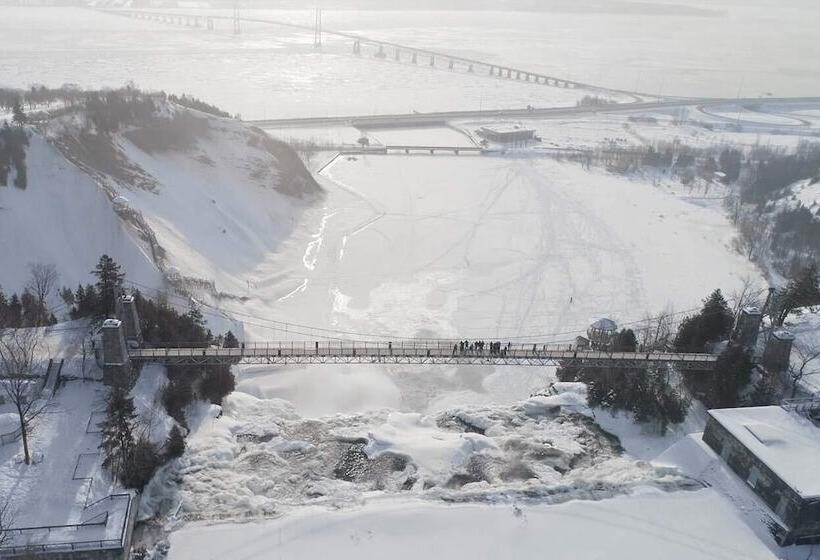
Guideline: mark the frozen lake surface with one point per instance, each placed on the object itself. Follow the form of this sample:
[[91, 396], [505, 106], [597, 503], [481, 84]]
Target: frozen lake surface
[[725, 48]]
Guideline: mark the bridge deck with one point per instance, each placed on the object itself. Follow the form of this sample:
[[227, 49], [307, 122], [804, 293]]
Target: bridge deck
[[431, 352]]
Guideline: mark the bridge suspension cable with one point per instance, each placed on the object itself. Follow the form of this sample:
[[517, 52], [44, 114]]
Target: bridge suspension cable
[[325, 333]]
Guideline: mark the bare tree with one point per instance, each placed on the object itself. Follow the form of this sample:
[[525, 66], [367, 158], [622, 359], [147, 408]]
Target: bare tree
[[43, 280], [806, 354], [6, 521], [18, 348], [753, 235], [657, 332], [745, 296]]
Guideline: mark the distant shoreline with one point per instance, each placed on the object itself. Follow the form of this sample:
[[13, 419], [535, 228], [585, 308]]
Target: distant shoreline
[[591, 7]]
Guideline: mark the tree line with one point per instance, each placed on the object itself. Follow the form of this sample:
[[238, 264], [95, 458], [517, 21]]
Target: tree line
[[128, 450], [660, 395], [13, 144]]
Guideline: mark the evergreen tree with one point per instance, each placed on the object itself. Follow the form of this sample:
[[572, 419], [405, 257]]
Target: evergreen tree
[[196, 315], [140, 465], [712, 324], [717, 318], [217, 383], [4, 309], [175, 446], [15, 312], [802, 291], [35, 314], [230, 341], [625, 341], [117, 432], [19, 116], [109, 284]]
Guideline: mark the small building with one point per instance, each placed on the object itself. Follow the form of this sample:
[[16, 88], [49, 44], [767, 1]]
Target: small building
[[507, 134], [776, 452], [602, 333]]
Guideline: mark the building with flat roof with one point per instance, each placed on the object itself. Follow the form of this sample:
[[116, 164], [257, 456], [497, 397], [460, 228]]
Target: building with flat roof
[[777, 453], [507, 134]]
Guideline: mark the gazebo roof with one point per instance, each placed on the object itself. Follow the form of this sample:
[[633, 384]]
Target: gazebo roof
[[606, 325]]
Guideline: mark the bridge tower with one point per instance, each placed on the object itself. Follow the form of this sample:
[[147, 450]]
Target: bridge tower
[[127, 314], [115, 362], [747, 327], [317, 29], [236, 28], [777, 353]]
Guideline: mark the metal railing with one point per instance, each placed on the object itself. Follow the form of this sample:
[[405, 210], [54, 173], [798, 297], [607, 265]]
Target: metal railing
[[100, 520], [431, 350], [11, 437]]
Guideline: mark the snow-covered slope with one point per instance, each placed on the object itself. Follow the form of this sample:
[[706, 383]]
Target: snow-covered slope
[[64, 219], [182, 195]]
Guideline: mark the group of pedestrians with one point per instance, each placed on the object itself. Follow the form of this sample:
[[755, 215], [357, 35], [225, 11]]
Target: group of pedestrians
[[476, 348]]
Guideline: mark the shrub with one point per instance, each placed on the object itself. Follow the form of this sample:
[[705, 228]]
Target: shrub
[[217, 384]]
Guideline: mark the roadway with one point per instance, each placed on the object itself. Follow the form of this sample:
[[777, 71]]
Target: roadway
[[442, 118]]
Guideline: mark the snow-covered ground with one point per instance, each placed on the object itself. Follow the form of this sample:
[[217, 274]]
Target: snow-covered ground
[[420, 136], [651, 525], [66, 483]]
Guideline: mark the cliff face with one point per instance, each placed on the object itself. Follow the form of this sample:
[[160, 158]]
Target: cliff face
[[174, 195]]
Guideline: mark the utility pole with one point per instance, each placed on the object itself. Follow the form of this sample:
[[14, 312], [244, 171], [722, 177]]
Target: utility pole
[[236, 29], [317, 29]]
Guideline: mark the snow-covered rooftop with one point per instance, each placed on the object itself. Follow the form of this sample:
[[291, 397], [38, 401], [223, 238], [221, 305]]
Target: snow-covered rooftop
[[786, 442]]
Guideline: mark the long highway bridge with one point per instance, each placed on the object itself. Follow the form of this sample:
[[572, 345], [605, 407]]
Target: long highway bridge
[[385, 50], [446, 352], [443, 117]]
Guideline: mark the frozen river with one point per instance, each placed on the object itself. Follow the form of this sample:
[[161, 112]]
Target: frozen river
[[479, 248]]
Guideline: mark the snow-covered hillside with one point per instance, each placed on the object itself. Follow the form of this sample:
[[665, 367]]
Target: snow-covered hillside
[[183, 195]]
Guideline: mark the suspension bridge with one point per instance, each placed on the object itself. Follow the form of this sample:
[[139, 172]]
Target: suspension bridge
[[446, 352]]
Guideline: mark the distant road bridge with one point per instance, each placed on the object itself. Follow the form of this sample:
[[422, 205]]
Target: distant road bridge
[[385, 50], [444, 117], [446, 352]]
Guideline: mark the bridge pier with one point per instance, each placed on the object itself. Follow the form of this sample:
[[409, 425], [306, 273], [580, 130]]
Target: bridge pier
[[492, 70], [432, 61], [451, 65], [470, 68], [357, 47], [209, 24], [381, 54], [415, 59], [397, 55], [509, 73]]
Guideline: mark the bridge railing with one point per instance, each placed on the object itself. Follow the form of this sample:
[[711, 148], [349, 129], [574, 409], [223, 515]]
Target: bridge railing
[[415, 348]]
